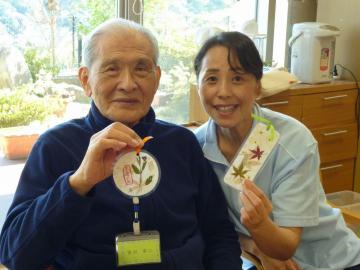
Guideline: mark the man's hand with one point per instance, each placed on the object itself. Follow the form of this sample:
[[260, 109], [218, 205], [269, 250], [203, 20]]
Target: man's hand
[[101, 154]]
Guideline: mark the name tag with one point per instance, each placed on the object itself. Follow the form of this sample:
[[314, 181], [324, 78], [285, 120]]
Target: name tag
[[138, 249]]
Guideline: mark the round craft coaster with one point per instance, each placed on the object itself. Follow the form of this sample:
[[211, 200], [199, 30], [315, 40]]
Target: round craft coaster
[[136, 175]]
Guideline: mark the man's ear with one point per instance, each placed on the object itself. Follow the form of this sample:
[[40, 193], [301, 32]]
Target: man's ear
[[158, 75], [84, 79]]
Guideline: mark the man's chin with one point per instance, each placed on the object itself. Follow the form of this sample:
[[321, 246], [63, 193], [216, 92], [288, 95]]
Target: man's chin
[[127, 118]]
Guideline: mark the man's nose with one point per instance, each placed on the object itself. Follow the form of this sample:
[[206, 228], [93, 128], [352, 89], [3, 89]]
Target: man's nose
[[126, 80]]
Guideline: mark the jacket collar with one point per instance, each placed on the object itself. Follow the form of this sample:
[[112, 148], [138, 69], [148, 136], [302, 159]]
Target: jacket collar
[[98, 122]]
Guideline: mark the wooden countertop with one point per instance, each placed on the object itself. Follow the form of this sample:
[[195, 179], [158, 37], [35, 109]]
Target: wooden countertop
[[335, 85]]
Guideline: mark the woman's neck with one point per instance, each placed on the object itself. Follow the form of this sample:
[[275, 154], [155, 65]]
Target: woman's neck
[[230, 139]]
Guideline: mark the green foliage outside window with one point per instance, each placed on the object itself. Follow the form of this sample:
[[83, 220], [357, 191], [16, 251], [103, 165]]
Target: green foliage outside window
[[37, 61], [17, 108], [95, 12], [21, 107]]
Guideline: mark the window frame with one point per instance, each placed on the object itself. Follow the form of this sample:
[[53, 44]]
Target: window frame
[[126, 8]]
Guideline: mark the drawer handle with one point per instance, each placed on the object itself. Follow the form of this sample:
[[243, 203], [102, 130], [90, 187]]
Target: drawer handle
[[335, 97], [331, 167], [335, 133], [275, 103]]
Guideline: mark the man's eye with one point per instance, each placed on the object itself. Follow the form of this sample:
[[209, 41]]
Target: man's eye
[[142, 70], [111, 69]]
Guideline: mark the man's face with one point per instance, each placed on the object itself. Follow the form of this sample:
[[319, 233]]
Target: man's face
[[123, 78]]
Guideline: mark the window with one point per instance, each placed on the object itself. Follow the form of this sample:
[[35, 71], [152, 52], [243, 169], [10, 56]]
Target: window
[[178, 25], [40, 41], [52, 30]]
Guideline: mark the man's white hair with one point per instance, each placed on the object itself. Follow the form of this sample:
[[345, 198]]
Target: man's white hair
[[114, 27]]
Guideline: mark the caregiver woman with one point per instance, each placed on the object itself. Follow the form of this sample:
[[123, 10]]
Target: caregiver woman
[[282, 217]]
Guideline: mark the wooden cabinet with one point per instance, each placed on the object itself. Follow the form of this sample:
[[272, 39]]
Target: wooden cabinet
[[329, 111], [290, 105]]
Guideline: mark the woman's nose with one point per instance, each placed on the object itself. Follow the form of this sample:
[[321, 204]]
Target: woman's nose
[[224, 89]]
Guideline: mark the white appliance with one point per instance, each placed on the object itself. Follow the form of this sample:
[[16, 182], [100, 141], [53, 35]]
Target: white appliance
[[312, 51]]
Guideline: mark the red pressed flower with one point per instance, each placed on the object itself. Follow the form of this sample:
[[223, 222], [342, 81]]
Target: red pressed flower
[[257, 153]]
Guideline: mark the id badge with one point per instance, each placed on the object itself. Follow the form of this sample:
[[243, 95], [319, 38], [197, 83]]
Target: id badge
[[138, 249]]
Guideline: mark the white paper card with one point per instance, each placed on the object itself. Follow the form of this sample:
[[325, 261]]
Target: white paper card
[[251, 156]]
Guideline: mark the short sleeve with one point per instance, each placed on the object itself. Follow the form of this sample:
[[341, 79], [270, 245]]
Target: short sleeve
[[295, 192]]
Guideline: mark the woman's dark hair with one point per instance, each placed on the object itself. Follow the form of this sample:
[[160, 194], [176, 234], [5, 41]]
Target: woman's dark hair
[[237, 43]]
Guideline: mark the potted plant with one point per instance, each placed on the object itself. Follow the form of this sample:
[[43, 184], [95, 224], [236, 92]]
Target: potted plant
[[19, 110]]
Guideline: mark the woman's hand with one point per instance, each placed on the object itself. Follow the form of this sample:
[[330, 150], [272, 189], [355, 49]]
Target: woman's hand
[[274, 241], [273, 264], [256, 206], [101, 154], [248, 245]]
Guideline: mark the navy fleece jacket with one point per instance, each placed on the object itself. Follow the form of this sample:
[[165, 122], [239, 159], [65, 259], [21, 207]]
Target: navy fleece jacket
[[49, 224]]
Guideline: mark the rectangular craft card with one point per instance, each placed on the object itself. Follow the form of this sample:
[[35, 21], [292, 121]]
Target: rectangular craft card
[[252, 155]]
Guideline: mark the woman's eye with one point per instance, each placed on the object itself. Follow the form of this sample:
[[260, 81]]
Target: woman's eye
[[237, 78], [211, 79]]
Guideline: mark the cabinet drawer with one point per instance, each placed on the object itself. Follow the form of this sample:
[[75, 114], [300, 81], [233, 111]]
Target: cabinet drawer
[[290, 105], [329, 108], [336, 143], [337, 176]]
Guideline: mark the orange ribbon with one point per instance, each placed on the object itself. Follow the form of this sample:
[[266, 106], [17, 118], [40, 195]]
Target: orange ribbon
[[138, 149]]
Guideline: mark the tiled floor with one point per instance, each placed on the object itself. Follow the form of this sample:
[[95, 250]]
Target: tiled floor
[[10, 171]]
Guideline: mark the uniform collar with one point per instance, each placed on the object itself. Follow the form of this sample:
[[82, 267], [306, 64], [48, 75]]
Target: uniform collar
[[211, 148]]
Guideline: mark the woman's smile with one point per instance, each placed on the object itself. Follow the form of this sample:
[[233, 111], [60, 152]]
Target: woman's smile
[[225, 109]]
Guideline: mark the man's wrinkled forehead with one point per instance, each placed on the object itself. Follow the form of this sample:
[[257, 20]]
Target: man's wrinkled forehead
[[125, 40]]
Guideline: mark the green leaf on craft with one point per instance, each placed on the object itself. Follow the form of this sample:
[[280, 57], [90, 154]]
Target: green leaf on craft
[[148, 180], [143, 166], [135, 169]]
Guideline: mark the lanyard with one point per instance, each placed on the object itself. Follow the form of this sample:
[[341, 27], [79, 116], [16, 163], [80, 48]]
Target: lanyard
[[135, 200]]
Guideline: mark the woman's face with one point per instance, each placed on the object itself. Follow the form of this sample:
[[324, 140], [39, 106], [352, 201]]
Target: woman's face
[[227, 95]]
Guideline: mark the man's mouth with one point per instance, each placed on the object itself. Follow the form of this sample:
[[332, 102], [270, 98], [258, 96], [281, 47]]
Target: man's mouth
[[125, 100]]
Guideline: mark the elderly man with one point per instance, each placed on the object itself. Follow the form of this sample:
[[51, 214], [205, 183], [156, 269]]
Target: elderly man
[[67, 211]]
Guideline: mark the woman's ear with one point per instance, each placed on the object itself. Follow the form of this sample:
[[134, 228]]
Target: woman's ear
[[258, 88], [84, 79]]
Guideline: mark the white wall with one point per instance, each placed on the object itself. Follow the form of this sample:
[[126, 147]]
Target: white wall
[[344, 14], [287, 13]]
